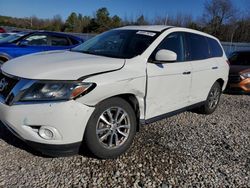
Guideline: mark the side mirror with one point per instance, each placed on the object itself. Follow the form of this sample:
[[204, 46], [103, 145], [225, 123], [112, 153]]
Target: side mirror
[[165, 56], [23, 43]]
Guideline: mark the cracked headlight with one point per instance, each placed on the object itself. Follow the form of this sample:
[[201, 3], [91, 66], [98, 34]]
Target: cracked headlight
[[52, 90]]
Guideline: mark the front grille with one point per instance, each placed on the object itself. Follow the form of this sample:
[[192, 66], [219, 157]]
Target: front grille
[[6, 85], [234, 79]]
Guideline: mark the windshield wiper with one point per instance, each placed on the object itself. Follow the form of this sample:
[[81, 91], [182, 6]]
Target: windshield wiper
[[88, 52], [80, 51], [99, 54]]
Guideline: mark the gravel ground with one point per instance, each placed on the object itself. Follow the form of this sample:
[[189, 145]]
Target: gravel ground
[[188, 150]]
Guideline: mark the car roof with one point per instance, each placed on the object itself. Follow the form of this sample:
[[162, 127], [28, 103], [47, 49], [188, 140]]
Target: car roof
[[156, 28], [161, 28], [54, 33], [49, 32]]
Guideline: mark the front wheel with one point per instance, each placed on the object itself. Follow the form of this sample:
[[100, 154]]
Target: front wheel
[[111, 128], [212, 101]]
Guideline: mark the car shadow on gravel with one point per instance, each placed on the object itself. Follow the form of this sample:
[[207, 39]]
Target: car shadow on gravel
[[235, 93], [11, 139]]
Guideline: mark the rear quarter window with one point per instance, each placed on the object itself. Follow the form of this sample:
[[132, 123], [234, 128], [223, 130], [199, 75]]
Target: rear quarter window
[[214, 48], [74, 41], [197, 47], [59, 41]]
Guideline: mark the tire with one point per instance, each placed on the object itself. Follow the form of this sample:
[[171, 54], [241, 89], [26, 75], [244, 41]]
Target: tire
[[212, 101], [111, 128]]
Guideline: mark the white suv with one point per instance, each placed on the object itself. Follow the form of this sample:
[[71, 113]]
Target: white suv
[[100, 92]]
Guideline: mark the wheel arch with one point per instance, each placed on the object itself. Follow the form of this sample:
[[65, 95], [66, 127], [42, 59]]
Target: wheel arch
[[221, 82], [4, 58], [134, 103]]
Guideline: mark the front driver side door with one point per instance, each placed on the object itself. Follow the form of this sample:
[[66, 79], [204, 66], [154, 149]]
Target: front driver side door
[[168, 84]]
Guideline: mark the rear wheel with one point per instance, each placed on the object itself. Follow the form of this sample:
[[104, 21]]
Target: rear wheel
[[212, 101], [111, 128]]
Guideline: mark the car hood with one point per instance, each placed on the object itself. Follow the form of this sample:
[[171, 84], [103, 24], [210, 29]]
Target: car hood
[[60, 65], [237, 69]]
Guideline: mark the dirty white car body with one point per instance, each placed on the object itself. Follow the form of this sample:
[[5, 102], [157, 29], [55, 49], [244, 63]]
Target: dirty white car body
[[153, 89]]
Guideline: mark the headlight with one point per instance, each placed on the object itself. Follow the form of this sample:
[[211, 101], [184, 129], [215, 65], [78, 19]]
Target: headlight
[[48, 91], [245, 75]]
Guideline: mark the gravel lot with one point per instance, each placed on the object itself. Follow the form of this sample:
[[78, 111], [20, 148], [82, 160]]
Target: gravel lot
[[188, 150]]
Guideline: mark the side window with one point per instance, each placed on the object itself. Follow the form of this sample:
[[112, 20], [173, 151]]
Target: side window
[[197, 47], [37, 40], [73, 41], [59, 41], [214, 47], [173, 42]]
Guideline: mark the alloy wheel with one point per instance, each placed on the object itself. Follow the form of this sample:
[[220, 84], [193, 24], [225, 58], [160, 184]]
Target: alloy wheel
[[113, 127], [214, 98]]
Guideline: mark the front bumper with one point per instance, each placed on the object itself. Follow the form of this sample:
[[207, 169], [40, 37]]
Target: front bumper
[[67, 119]]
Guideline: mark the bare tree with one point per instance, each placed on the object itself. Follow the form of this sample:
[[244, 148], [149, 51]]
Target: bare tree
[[162, 20], [216, 13], [181, 20], [141, 20]]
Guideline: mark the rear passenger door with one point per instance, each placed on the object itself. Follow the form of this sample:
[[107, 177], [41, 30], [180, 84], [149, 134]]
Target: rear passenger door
[[204, 68]]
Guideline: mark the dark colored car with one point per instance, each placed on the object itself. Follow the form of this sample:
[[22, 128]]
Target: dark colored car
[[239, 76], [37, 42]]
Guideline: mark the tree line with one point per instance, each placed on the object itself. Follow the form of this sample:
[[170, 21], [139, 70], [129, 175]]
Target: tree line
[[220, 18]]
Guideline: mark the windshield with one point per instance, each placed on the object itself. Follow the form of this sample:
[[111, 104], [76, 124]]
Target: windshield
[[118, 43], [240, 58], [10, 38]]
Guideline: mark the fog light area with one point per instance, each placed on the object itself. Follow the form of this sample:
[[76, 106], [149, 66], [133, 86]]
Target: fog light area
[[46, 133]]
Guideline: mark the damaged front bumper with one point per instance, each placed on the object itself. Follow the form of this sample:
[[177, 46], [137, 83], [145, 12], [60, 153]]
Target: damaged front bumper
[[52, 128]]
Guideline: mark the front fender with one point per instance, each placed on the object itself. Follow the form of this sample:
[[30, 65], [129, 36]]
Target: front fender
[[131, 79], [107, 90]]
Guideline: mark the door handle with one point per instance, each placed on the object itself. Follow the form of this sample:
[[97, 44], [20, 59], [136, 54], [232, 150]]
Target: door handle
[[214, 68], [185, 73]]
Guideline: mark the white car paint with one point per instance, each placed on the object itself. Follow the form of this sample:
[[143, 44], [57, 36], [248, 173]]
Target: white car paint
[[60, 65], [67, 118], [158, 88]]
